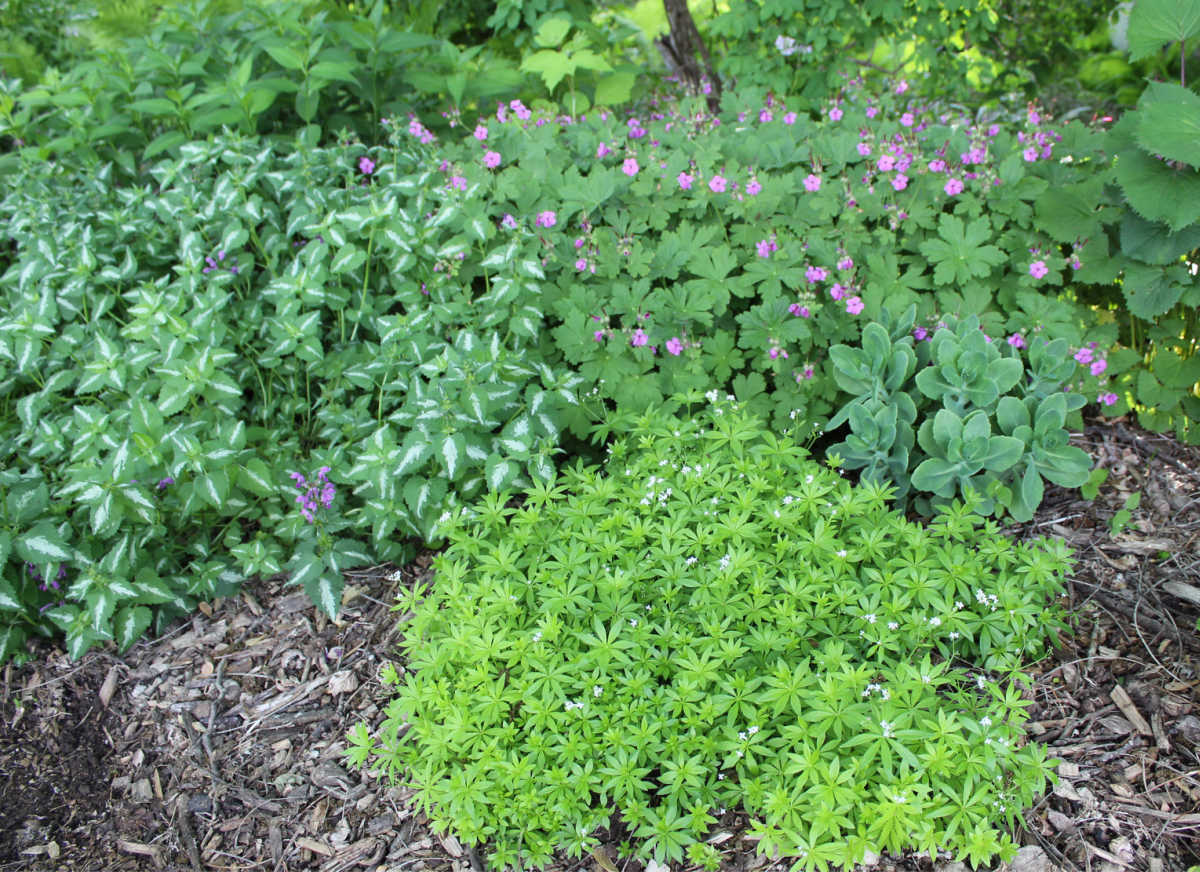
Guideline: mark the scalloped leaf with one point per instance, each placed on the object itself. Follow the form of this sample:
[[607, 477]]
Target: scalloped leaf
[[1149, 291], [1153, 23], [1157, 192], [1070, 213], [1169, 122], [1151, 242]]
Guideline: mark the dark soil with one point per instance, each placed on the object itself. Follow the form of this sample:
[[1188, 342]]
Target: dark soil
[[218, 746]]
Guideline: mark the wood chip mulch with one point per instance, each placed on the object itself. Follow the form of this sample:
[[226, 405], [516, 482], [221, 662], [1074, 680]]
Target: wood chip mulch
[[219, 746]]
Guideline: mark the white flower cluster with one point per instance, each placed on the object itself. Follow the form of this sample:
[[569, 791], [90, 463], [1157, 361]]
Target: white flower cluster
[[987, 599]]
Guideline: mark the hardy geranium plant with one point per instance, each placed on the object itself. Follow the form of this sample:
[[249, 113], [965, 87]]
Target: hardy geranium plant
[[715, 622]]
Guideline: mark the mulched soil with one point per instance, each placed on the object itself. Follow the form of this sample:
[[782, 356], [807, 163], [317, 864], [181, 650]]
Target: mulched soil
[[218, 746]]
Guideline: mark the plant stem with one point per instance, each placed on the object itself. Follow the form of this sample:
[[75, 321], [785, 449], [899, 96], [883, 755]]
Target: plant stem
[[362, 303]]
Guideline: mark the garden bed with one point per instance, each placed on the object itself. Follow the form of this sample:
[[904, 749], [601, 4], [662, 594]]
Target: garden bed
[[218, 746]]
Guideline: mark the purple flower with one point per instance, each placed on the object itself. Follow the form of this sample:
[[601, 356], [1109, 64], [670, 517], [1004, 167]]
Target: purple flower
[[1030, 154], [854, 305], [365, 165], [546, 219], [579, 242], [1098, 367], [164, 483], [763, 247], [845, 263], [835, 114], [907, 119], [812, 183], [886, 163], [639, 338], [920, 334], [937, 165], [717, 184], [581, 264], [765, 116], [753, 188], [1038, 269], [953, 187], [321, 491], [458, 183], [900, 181], [674, 345], [491, 159], [1108, 399], [602, 150], [798, 310], [481, 132], [790, 118], [598, 335], [509, 221], [1084, 356], [1016, 341], [630, 167], [863, 149], [816, 274]]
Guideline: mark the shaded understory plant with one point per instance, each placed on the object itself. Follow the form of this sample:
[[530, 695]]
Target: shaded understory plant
[[711, 621]]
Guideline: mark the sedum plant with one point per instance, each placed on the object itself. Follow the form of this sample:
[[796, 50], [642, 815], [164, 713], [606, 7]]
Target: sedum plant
[[714, 621], [959, 413]]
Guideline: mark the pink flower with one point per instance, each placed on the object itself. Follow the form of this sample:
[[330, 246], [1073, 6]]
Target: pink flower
[[1016, 341], [812, 183], [602, 150], [937, 166], [509, 221], [501, 112], [854, 305], [837, 291], [579, 242], [764, 248], [902, 87], [598, 335], [799, 311], [1084, 356], [581, 264], [546, 219], [953, 186], [1034, 118], [717, 184], [907, 119], [1030, 154], [920, 334], [639, 338], [863, 149], [845, 263], [685, 181], [1038, 269], [765, 116], [1098, 367], [872, 111], [900, 181], [835, 114], [1108, 399], [886, 163], [491, 159], [458, 182], [790, 118], [674, 345], [366, 166], [815, 274], [753, 187], [630, 167], [480, 132]]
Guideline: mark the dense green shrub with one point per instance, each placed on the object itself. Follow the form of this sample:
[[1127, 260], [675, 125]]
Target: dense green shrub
[[714, 621], [982, 419]]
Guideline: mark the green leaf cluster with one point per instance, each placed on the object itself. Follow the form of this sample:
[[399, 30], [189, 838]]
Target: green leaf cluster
[[714, 621], [985, 423]]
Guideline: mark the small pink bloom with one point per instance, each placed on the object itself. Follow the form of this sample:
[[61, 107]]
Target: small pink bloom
[[581, 264], [1030, 154], [902, 87], [837, 291], [765, 116], [790, 118], [491, 159], [1038, 269], [953, 187], [481, 132], [674, 345], [816, 274], [717, 184], [845, 263], [602, 150], [753, 187], [1108, 399], [1016, 341], [1084, 356], [907, 119], [886, 163], [937, 166], [863, 149], [366, 166], [799, 311], [639, 338], [812, 183], [630, 166], [854, 305], [835, 114], [509, 221], [900, 181], [685, 181], [764, 248], [872, 111], [1098, 367], [458, 182], [546, 219], [598, 335]]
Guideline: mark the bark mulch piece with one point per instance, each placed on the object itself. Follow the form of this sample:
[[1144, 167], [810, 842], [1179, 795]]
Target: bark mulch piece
[[219, 746]]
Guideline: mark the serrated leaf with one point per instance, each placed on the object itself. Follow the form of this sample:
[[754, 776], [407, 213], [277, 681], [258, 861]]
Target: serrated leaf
[[1157, 192], [348, 258], [415, 452], [43, 545], [1149, 291], [255, 477], [325, 590], [1169, 122], [1153, 23], [129, 625]]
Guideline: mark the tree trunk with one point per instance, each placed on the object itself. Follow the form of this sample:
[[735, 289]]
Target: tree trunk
[[679, 48]]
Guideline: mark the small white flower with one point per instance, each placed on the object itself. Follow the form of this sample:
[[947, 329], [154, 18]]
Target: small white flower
[[884, 693], [887, 729], [633, 622], [958, 607], [841, 552], [753, 730], [777, 513], [597, 690], [870, 619], [742, 736], [954, 634], [985, 721], [537, 637], [935, 621], [691, 561], [893, 625], [721, 777], [980, 682]]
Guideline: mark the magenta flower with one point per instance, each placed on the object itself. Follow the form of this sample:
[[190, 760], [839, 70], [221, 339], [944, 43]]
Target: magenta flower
[[838, 290], [366, 166], [815, 274], [937, 165], [765, 116], [1108, 399], [509, 221], [845, 263], [546, 219], [835, 114], [753, 188], [1030, 154], [717, 184], [1098, 367], [953, 187], [790, 118], [1016, 341], [602, 150], [907, 119], [1084, 356], [639, 338], [920, 334], [164, 483], [902, 87], [854, 305], [685, 181], [872, 111], [1038, 269], [900, 181], [581, 264], [630, 167], [598, 335], [491, 159], [674, 345], [579, 242], [458, 183], [863, 149], [812, 183], [886, 163], [481, 132], [763, 247]]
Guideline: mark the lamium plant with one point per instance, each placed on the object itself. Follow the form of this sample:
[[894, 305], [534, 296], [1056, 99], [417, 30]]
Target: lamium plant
[[714, 621]]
